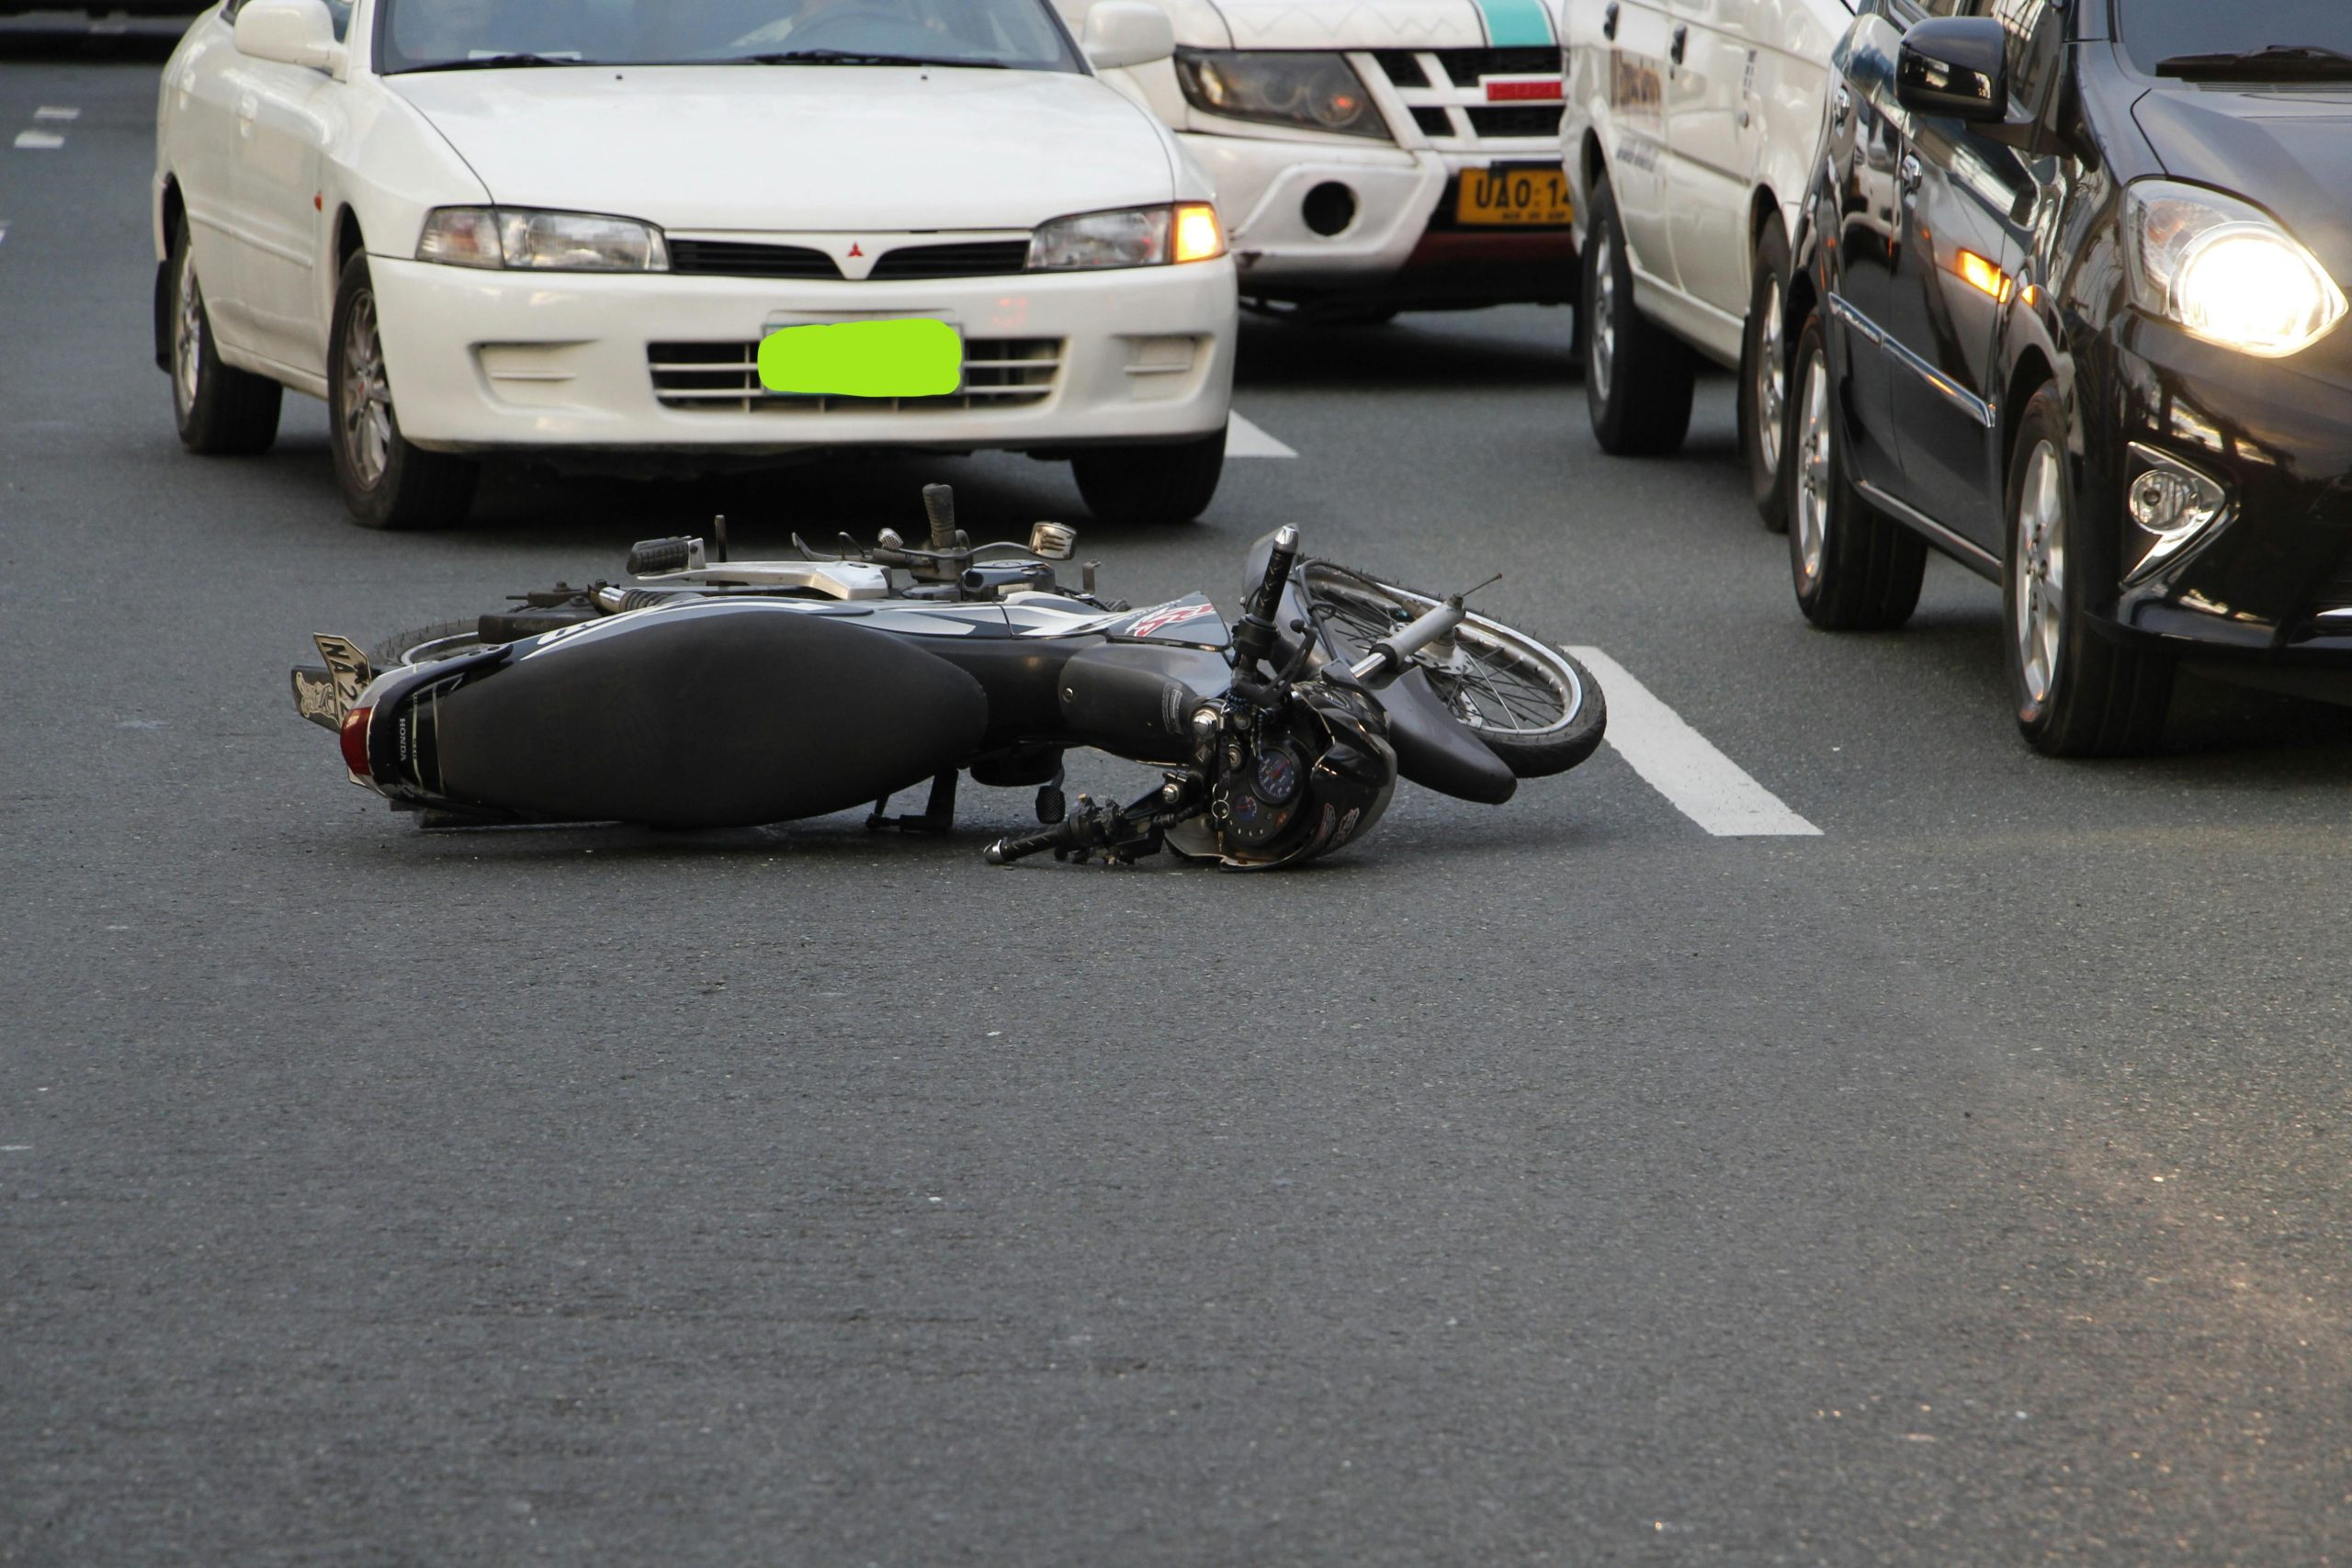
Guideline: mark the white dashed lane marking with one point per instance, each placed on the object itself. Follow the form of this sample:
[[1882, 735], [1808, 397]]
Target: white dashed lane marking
[[4, 230], [1243, 439], [51, 111], [1678, 761], [39, 140], [106, 27]]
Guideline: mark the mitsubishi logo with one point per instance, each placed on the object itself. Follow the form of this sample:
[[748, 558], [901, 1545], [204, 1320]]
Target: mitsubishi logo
[[854, 249]]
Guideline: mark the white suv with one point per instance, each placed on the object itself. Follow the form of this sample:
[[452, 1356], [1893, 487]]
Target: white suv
[[1688, 139], [1374, 155]]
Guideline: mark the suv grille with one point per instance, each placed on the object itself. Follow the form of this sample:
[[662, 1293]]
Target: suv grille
[[1441, 88], [724, 377]]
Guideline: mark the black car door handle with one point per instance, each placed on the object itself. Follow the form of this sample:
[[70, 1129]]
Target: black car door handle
[[1609, 22], [1682, 41]]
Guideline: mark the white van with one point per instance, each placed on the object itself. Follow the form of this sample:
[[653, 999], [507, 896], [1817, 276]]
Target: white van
[[1688, 140]]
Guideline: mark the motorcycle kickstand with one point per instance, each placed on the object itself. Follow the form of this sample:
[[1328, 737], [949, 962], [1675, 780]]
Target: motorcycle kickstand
[[938, 814]]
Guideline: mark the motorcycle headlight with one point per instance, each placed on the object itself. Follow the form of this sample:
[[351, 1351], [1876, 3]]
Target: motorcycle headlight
[[2225, 271], [1131, 236], [541, 241], [1319, 92]]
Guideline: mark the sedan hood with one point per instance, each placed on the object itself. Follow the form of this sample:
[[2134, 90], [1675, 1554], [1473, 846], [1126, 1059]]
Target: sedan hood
[[2288, 149], [800, 148]]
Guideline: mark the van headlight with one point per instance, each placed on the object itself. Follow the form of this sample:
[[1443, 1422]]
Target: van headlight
[[2226, 271], [1129, 236], [540, 241], [1319, 92]]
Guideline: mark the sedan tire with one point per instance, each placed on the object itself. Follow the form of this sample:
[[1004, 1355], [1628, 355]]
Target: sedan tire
[[1636, 378], [2078, 693], [1764, 380], [1156, 486], [386, 481], [221, 412], [1854, 568]]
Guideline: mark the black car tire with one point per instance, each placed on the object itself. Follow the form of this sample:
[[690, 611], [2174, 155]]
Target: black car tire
[[1854, 568], [2078, 693], [386, 481], [221, 412], [1637, 378], [1156, 486], [1764, 379]]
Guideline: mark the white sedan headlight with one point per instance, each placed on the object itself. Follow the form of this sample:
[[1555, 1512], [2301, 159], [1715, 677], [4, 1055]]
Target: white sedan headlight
[[1131, 236], [2226, 271], [541, 241]]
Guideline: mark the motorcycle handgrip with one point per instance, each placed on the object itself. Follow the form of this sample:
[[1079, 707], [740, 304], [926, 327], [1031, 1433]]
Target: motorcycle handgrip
[[1280, 560], [939, 505], [1005, 852]]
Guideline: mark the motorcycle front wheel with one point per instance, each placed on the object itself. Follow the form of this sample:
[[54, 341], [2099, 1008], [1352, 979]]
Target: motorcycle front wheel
[[1533, 706]]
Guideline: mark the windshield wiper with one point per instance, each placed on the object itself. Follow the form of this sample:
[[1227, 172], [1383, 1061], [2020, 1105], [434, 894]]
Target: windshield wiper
[[497, 62], [2278, 60], [854, 56]]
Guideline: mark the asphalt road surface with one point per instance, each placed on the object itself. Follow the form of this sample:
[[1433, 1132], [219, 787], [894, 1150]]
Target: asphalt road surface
[[1962, 1183]]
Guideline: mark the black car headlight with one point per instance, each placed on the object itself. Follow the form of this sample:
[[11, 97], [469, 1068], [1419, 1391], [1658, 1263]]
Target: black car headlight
[[1314, 92], [2226, 271]]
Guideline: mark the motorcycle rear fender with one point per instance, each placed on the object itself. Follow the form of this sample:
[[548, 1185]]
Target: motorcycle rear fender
[[714, 714]]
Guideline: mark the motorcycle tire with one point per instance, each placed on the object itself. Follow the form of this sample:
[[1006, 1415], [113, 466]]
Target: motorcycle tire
[[1560, 715]]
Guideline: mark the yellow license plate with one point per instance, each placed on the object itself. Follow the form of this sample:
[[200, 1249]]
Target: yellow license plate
[[1534, 197]]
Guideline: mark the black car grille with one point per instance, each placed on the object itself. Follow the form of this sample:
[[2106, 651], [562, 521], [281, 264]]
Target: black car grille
[[1440, 88], [975, 258], [730, 258], [724, 377], [1403, 67]]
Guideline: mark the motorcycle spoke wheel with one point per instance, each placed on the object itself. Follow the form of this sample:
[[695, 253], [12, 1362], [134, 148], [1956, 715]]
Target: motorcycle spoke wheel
[[1500, 683]]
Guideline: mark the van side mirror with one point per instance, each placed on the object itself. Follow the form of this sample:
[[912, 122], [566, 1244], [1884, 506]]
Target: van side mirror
[[291, 32], [1957, 67], [1126, 32]]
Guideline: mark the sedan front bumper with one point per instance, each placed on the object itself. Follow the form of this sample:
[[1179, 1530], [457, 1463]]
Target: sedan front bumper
[[484, 361]]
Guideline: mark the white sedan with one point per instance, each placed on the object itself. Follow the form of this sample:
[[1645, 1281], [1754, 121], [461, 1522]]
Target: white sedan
[[563, 228]]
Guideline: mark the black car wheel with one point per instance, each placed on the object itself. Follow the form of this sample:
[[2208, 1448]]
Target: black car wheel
[[1151, 485], [1638, 378], [1764, 379], [386, 481], [220, 410], [1855, 569], [2079, 695]]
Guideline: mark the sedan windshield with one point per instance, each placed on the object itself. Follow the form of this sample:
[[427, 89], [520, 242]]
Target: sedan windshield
[[2251, 41], [443, 35]]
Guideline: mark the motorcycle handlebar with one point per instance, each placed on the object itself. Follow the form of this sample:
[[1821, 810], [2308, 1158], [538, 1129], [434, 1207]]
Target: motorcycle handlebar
[[1280, 560], [1387, 660]]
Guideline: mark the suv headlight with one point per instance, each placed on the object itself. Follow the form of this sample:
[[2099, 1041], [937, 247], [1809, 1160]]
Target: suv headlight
[[540, 241], [1319, 92], [2225, 271], [1130, 236]]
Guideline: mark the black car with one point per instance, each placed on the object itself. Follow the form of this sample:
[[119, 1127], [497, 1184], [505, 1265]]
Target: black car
[[2073, 277]]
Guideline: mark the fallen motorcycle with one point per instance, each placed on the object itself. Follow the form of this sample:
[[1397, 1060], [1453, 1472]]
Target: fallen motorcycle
[[706, 693]]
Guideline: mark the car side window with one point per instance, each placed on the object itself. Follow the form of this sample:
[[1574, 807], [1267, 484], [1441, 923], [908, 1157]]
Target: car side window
[[2033, 28]]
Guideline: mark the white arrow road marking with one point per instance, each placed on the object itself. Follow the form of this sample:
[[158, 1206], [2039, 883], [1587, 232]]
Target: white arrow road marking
[[1677, 761], [1243, 439], [50, 111], [39, 141]]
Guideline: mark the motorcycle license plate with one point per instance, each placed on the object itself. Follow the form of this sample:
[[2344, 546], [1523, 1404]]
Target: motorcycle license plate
[[1528, 195]]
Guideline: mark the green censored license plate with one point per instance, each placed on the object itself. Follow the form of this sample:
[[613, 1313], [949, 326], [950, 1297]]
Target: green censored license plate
[[906, 358]]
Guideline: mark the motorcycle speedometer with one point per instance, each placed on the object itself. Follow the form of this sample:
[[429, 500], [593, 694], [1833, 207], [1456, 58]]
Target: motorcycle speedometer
[[1277, 776]]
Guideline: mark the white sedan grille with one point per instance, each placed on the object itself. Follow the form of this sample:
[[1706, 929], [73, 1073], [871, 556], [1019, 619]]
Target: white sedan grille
[[724, 377]]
